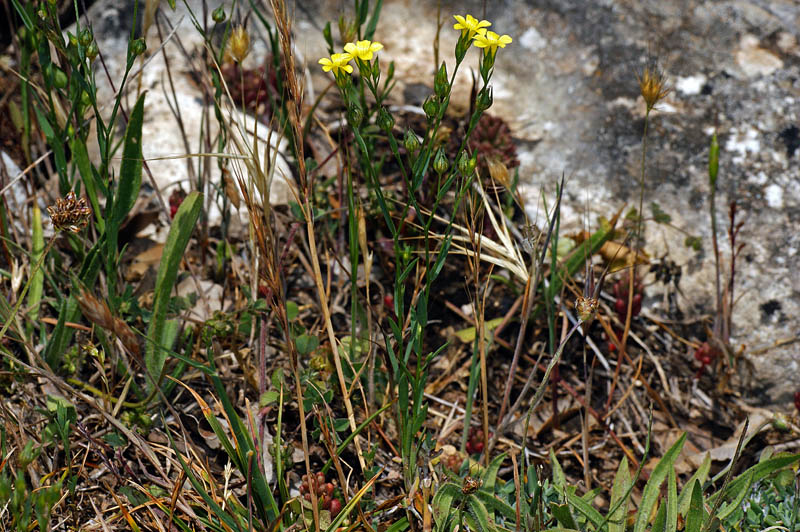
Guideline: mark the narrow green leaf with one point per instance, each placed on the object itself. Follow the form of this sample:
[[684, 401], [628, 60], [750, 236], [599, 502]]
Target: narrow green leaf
[[263, 498], [563, 515], [342, 446], [622, 481], [348, 508], [559, 480], [37, 281], [373, 20], [80, 155], [130, 171], [481, 515], [586, 509], [69, 311], [26, 19], [744, 488], [177, 240], [672, 502], [696, 515], [443, 502], [660, 518], [490, 476], [577, 259], [702, 475], [653, 486], [759, 471], [199, 487], [496, 504]]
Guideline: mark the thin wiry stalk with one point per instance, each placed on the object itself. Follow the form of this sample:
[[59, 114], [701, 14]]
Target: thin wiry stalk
[[530, 294], [294, 105], [637, 248]]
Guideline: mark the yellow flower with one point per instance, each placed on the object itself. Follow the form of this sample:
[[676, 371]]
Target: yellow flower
[[336, 63], [491, 40], [469, 25], [362, 49]]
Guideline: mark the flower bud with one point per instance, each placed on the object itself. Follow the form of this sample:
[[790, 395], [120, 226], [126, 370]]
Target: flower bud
[[713, 161], [466, 164], [218, 15], [487, 62], [462, 46], [406, 254], [376, 69], [411, 142], [431, 108], [85, 37], [385, 120], [440, 163], [92, 50], [240, 44], [485, 99], [440, 84], [354, 116], [138, 46]]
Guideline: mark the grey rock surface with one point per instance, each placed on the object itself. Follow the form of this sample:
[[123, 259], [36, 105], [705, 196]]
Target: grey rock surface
[[177, 119]]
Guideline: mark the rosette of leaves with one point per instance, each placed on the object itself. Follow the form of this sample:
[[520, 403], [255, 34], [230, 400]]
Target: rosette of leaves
[[251, 88], [472, 501], [497, 153]]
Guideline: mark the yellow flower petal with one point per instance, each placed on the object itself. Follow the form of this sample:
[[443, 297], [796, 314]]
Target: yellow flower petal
[[363, 49], [469, 25]]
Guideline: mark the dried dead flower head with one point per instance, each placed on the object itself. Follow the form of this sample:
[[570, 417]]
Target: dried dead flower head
[[240, 43], [652, 84], [586, 307], [69, 213], [471, 485]]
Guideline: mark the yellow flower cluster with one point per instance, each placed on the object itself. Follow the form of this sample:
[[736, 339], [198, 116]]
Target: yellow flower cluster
[[362, 50], [476, 30]]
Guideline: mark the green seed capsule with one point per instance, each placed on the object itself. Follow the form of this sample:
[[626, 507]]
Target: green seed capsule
[[85, 37], [59, 78], [218, 15], [440, 163], [385, 120], [411, 142]]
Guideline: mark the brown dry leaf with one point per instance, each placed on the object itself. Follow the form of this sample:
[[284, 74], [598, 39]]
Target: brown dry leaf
[[231, 189], [143, 261], [499, 172], [725, 452], [618, 255]]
